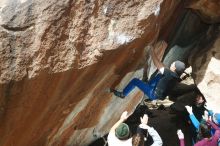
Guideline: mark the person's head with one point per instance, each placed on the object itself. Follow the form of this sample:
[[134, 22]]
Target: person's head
[[122, 132], [204, 131], [178, 67], [142, 138], [200, 99], [216, 118], [138, 140]]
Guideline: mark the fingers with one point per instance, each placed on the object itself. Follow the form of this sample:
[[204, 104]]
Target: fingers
[[180, 134], [124, 115], [205, 116], [163, 43], [144, 119], [188, 107], [179, 131], [145, 116]]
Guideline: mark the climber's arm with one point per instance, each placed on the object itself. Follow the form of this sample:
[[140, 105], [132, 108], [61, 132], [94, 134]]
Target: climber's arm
[[155, 59], [123, 117]]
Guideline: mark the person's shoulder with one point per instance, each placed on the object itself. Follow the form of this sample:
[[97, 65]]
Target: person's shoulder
[[171, 73], [112, 139], [129, 142], [117, 142], [167, 71], [111, 136]]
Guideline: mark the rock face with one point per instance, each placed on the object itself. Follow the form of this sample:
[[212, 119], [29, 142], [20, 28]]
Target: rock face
[[59, 57], [205, 61], [208, 10], [61, 35]]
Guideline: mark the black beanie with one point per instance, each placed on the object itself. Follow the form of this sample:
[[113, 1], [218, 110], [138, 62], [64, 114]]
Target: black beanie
[[180, 67]]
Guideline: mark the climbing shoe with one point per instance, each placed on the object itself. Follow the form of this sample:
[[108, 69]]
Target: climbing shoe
[[117, 93]]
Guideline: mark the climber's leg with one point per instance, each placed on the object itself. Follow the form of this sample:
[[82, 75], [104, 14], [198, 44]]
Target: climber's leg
[[153, 82], [145, 87]]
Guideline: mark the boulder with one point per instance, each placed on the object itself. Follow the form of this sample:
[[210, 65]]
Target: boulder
[[58, 58]]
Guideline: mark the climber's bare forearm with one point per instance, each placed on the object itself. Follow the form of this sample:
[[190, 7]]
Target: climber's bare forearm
[[155, 59]]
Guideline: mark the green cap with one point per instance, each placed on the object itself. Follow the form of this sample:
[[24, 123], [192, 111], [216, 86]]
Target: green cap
[[122, 131]]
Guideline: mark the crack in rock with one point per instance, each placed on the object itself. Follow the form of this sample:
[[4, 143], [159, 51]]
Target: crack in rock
[[16, 28]]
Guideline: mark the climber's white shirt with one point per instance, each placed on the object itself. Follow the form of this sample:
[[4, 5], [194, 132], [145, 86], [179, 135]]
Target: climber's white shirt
[[114, 141]]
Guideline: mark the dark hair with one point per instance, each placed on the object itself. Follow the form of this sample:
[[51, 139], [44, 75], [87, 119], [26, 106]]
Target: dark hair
[[199, 93], [138, 140], [204, 131], [142, 138]]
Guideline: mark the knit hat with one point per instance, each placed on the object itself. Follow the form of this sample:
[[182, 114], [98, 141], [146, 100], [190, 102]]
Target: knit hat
[[216, 118], [180, 67], [122, 131]]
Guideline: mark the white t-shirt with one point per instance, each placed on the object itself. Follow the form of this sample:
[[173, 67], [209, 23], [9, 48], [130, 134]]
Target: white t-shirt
[[114, 141]]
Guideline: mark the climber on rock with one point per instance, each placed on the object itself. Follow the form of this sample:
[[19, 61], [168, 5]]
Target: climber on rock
[[161, 84]]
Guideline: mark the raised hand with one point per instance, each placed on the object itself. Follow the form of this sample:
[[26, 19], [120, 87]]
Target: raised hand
[[124, 115], [205, 116], [180, 134], [144, 119]]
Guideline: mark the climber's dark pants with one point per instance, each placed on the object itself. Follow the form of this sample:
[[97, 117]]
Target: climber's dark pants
[[148, 88]]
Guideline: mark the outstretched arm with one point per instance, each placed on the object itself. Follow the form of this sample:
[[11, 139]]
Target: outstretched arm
[[181, 137], [155, 58], [124, 116], [157, 141], [194, 120], [213, 125], [155, 136]]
